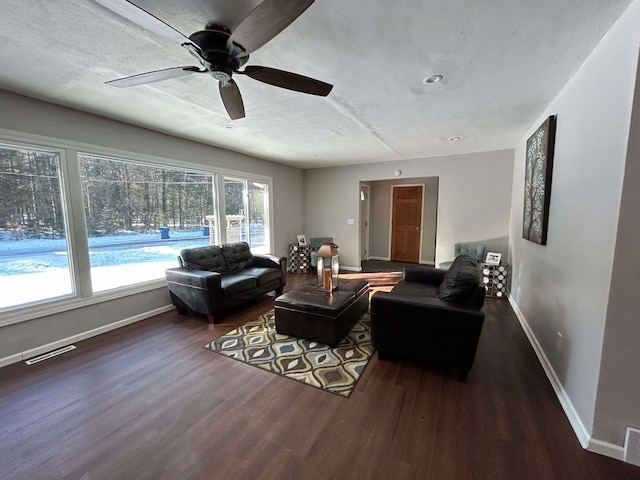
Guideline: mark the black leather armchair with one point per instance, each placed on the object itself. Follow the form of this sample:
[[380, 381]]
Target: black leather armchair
[[432, 316], [213, 279]]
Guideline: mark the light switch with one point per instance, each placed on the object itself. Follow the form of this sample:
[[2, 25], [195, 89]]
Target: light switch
[[351, 221]]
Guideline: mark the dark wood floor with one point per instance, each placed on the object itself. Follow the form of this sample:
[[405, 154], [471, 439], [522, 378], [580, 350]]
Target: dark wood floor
[[148, 402], [385, 266]]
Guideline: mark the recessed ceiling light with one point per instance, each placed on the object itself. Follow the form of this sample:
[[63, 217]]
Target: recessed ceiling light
[[229, 126], [455, 139], [432, 79], [317, 155]]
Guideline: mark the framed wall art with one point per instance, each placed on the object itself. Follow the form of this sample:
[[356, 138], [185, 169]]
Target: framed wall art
[[537, 182]]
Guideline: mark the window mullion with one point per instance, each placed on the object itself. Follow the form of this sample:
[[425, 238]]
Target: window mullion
[[78, 242], [221, 209], [247, 222]]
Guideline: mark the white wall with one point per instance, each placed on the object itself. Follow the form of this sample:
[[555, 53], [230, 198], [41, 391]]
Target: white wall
[[618, 401], [564, 286], [474, 198], [26, 115]]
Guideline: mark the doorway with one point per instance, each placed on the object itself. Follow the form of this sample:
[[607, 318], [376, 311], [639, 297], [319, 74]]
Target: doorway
[[406, 223], [364, 221]]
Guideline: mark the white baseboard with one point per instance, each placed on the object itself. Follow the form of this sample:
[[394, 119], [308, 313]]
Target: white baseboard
[[33, 352], [384, 259], [605, 448], [351, 269], [580, 430], [10, 359]]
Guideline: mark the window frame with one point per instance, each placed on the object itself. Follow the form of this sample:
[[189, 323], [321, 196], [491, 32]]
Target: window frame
[[69, 226], [247, 220], [79, 154], [77, 239]]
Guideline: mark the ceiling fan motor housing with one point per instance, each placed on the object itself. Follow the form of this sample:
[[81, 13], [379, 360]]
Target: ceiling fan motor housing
[[213, 43]]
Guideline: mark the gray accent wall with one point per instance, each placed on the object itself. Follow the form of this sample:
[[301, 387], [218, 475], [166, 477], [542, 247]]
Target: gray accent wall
[[380, 215], [474, 200], [38, 332], [567, 286], [26, 115]]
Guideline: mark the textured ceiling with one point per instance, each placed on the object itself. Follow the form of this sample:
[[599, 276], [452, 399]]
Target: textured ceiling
[[503, 61]]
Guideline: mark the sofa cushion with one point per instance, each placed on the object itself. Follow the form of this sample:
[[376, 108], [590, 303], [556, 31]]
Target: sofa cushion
[[237, 255], [204, 258], [460, 280], [235, 284], [261, 274]]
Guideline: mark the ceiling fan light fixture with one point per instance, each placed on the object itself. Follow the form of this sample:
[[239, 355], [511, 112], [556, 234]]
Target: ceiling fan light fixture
[[433, 79], [221, 74]]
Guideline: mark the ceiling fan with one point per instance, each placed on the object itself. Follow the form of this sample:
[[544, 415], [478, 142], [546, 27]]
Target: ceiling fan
[[221, 52]]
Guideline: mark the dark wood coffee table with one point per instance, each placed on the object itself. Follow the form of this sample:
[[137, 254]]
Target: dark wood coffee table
[[322, 317]]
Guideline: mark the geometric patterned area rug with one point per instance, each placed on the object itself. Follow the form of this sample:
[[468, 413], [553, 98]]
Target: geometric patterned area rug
[[335, 370]]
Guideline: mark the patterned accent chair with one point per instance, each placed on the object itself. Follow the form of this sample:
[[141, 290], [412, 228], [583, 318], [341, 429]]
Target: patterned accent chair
[[477, 252]]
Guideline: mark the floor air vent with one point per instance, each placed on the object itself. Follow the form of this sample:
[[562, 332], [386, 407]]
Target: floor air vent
[[49, 355]]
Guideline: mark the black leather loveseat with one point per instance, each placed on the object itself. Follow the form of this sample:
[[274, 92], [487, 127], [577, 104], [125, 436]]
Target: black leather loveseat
[[432, 316], [214, 278]]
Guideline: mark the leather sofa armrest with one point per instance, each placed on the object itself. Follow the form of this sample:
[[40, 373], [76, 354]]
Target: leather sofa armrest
[[195, 278], [268, 261], [431, 276], [271, 261], [390, 312]]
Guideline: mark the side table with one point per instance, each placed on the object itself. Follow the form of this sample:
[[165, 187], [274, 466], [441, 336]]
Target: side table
[[299, 258], [495, 279]]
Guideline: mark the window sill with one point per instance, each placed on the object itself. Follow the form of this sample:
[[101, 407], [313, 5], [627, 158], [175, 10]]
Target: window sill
[[59, 305]]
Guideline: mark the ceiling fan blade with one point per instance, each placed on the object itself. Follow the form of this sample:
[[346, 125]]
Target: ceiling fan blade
[[155, 76], [232, 99], [266, 21], [288, 80], [143, 18]]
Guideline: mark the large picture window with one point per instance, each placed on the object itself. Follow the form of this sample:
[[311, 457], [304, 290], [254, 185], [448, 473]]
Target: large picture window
[[73, 225], [139, 217], [34, 253]]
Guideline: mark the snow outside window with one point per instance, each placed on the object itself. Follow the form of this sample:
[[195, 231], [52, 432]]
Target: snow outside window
[[34, 253], [140, 217]]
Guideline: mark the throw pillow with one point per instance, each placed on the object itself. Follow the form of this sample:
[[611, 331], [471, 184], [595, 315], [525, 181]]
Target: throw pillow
[[238, 255], [204, 258], [460, 280]]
